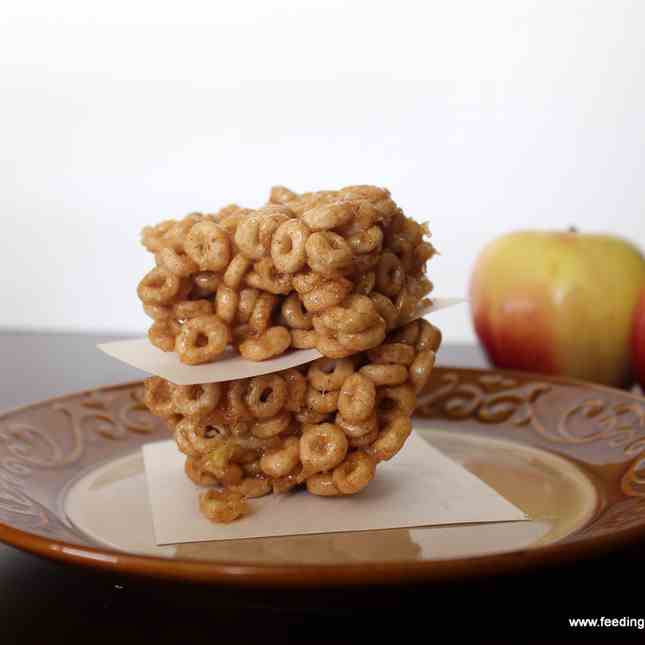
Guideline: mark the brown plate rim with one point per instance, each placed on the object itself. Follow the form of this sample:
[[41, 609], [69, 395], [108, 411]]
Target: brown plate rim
[[260, 575]]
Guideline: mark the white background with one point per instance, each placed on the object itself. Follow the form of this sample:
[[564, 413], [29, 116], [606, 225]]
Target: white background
[[482, 117]]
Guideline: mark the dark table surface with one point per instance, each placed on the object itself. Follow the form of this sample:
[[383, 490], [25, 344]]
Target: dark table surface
[[42, 601]]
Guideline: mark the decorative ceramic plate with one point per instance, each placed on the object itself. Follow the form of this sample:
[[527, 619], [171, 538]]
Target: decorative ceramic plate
[[571, 455]]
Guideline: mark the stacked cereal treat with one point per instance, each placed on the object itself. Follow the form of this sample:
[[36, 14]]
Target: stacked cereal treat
[[342, 271], [334, 270], [325, 425]]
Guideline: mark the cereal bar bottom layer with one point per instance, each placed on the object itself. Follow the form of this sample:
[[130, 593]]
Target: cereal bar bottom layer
[[325, 425]]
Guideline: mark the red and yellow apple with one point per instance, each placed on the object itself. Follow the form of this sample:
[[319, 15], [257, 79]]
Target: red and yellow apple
[[638, 342], [559, 303]]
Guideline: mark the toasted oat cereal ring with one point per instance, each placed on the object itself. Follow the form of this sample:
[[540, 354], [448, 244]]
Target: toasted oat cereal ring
[[328, 253], [209, 246], [306, 281], [272, 427], [391, 439], [385, 374], [248, 298], [408, 334], [226, 303], [159, 287], [410, 230], [261, 315], [271, 218], [176, 260], [223, 506], [319, 326], [355, 473], [406, 305], [327, 374], [322, 447], [404, 250], [429, 337], [304, 339], [365, 216], [236, 271], [192, 468], [207, 281], [279, 462], [152, 236], [235, 401], [366, 192], [266, 395], [395, 353], [368, 241], [355, 314], [330, 347], [247, 238], [163, 334], [418, 285], [421, 369], [265, 277], [252, 487], [423, 252], [322, 484], [195, 439], [357, 398], [177, 232], [363, 340], [157, 395], [396, 400], [286, 483], [328, 216], [296, 388], [230, 216], [365, 283], [196, 400], [327, 294], [202, 339], [353, 430], [192, 309], [322, 402], [385, 308], [272, 342], [230, 476], [294, 313], [218, 462], [158, 312], [390, 274], [281, 195], [288, 246]]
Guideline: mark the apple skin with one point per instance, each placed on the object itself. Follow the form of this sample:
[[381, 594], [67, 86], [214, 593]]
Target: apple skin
[[558, 303], [638, 342]]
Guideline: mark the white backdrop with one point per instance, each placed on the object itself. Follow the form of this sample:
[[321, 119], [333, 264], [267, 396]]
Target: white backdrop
[[482, 117]]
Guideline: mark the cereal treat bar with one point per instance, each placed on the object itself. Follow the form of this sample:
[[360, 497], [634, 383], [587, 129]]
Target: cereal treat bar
[[325, 425], [334, 270]]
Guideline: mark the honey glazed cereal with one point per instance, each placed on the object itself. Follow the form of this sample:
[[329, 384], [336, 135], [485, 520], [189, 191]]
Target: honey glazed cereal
[[334, 270], [325, 425]]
